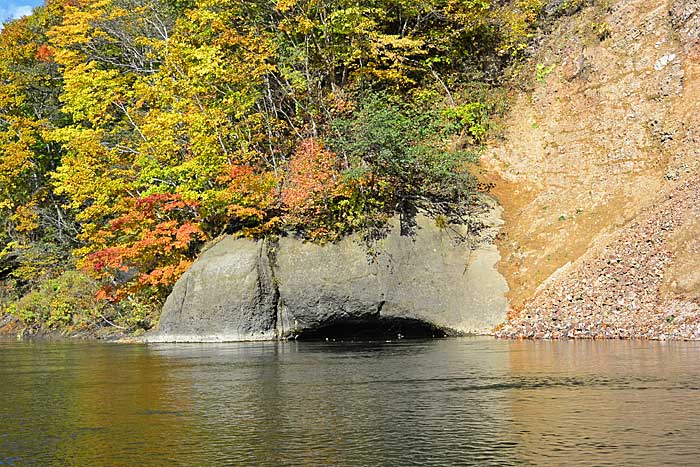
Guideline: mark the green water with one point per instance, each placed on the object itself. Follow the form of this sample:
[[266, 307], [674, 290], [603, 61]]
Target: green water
[[442, 402]]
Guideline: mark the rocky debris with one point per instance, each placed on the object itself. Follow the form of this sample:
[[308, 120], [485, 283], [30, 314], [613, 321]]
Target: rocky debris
[[616, 292], [663, 61], [624, 268], [573, 65], [561, 7], [685, 19], [589, 149]]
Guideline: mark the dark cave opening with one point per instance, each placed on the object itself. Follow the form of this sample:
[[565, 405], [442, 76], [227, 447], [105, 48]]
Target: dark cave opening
[[373, 329]]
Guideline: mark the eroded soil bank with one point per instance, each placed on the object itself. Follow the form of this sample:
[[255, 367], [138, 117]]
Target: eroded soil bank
[[597, 175]]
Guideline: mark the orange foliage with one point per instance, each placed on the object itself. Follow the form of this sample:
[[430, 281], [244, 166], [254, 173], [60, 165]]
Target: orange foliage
[[148, 246], [44, 53], [312, 178], [247, 194]]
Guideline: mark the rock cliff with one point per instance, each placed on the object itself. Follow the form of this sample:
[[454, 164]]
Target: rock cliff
[[435, 282]]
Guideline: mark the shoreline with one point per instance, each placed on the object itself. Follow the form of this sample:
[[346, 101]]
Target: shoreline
[[10, 330]]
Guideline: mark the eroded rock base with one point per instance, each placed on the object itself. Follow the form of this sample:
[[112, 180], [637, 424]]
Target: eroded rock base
[[375, 329]]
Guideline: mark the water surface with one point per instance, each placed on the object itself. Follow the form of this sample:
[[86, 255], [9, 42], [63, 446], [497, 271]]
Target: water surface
[[441, 402]]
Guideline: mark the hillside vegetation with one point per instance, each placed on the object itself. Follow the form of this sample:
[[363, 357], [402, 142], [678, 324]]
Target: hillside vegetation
[[134, 131]]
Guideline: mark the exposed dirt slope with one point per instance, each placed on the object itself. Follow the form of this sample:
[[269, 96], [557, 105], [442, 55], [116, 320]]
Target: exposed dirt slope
[[617, 290], [597, 175]]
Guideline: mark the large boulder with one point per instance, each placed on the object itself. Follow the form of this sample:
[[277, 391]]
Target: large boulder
[[436, 281], [227, 295]]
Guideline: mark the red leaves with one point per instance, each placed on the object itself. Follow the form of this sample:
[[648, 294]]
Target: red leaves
[[185, 234], [107, 258], [236, 172], [165, 275], [44, 53], [148, 246], [163, 201], [312, 177]]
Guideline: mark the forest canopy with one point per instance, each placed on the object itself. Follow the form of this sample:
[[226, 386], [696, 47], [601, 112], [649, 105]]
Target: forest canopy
[[134, 131]]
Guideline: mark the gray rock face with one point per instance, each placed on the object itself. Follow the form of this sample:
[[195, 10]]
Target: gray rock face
[[227, 295], [245, 290]]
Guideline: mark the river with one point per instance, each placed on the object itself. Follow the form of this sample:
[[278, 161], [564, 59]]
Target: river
[[468, 401]]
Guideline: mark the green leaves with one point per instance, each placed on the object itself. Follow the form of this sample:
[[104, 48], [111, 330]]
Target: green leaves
[[407, 147], [473, 117]]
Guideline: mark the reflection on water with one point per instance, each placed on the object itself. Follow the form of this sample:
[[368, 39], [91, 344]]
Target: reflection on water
[[441, 402]]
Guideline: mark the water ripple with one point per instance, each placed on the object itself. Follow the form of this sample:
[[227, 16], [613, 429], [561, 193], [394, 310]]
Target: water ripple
[[466, 402]]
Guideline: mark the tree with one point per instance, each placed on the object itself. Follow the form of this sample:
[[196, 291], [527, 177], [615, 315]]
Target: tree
[[36, 233]]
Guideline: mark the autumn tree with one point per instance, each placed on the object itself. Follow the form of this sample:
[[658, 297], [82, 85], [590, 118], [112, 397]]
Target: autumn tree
[[36, 232], [146, 249], [133, 131]]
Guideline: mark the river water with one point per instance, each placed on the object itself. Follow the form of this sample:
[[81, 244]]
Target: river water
[[470, 401]]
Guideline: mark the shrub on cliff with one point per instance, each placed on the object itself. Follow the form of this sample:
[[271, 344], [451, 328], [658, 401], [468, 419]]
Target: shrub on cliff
[[405, 146]]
